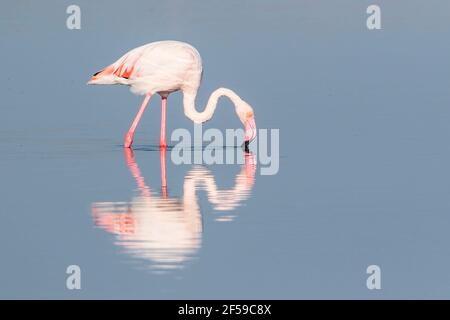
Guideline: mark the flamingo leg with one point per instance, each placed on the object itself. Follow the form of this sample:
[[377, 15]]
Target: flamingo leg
[[162, 135], [130, 134]]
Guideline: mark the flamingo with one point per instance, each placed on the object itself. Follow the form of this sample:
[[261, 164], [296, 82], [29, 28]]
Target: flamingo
[[164, 67]]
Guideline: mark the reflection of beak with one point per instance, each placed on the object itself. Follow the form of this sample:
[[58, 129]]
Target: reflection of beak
[[250, 130]]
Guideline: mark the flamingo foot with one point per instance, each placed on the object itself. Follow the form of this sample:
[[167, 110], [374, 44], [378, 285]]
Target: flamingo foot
[[128, 140]]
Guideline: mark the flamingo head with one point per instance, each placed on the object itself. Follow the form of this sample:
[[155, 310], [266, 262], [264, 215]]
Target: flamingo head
[[250, 130], [247, 117]]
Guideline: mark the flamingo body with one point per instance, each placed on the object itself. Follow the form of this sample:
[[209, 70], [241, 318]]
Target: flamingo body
[[164, 67]]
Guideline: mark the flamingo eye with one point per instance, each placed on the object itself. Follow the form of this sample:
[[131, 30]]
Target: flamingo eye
[[96, 73]]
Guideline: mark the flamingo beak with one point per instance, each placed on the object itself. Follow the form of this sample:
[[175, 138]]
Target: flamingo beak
[[250, 130]]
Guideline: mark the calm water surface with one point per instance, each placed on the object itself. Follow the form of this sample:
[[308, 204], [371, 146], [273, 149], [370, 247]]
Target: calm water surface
[[364, 154]]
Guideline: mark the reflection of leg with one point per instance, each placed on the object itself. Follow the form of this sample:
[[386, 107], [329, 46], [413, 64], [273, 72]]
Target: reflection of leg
[[162, 156], [163, 145], [162, 135], [130, 134], [136, 173]]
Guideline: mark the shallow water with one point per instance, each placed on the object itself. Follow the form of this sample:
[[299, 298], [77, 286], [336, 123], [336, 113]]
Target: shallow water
[[364, 130]]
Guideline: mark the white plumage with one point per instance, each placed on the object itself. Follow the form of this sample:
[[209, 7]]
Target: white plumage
[[164, 67]]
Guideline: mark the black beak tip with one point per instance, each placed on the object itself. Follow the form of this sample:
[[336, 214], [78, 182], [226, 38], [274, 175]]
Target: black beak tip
[[246, 144]]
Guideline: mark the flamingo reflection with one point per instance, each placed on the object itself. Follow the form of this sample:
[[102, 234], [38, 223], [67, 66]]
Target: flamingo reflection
[[167, 231]]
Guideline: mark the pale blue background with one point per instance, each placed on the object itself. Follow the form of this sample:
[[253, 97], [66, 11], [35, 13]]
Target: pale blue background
[[364, 171]]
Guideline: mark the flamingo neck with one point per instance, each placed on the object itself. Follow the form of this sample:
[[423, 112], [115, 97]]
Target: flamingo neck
[[191, 112]]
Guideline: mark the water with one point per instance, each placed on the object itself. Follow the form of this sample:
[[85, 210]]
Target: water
[[363, 118]]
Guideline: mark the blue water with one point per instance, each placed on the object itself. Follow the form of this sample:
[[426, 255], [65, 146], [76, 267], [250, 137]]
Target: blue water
[[364, 130]]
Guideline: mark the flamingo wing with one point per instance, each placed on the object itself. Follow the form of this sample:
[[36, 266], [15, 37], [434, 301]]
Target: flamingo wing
[[125, 67]]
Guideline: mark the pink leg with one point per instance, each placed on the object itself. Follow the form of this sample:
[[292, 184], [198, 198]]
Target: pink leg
[[130, 134], [162, 136]]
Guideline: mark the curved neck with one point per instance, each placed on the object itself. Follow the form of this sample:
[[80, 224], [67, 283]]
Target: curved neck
[[198, 117]]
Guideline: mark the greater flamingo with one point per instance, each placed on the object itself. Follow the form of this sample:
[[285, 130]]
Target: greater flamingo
[[164, 67]]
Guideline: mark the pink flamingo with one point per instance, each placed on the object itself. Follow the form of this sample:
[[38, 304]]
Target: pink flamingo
[[164, 67]]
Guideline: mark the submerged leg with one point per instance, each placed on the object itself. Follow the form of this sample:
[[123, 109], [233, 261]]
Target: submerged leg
[[130, 134], [162, 135]]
